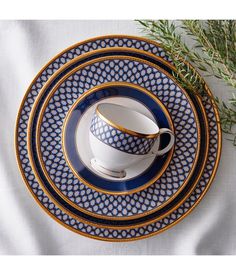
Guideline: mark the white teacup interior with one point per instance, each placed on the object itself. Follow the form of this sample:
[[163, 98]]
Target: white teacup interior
[[132, 120], [82, 137]]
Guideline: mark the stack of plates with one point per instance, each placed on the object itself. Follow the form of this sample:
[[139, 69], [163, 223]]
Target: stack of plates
[[53, 151]]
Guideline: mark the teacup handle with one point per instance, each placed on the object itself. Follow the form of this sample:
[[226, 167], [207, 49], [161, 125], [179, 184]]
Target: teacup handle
[[168, 146]]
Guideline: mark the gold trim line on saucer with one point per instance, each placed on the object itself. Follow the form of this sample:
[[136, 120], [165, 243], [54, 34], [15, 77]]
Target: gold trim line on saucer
[[123, 129], [47, 100], [91, 91], [141, 39]]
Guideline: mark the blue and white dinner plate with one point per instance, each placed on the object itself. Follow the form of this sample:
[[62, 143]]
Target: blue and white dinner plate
[[84, 227], [81, 198]]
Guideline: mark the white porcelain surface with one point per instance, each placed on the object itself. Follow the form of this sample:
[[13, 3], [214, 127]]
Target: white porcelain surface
[[128, 118], [111, 158]]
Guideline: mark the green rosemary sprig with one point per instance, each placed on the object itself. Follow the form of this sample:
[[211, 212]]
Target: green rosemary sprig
[[214, 54], [164, 32], [217, 41]]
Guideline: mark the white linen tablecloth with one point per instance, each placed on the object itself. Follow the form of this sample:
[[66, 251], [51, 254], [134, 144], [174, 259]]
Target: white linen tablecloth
[[25, 46]]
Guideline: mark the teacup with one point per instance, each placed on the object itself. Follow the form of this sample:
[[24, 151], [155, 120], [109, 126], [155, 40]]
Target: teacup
[[120, 137]]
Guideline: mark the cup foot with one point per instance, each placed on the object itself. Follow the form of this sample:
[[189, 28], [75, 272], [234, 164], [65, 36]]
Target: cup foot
[[102, 170]]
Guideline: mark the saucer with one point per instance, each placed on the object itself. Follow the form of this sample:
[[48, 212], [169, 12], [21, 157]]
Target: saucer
[[82, 227], [45, 144], [75, 139]]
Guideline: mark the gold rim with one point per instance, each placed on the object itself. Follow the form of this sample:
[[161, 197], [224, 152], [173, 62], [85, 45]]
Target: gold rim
[[40, 157], [36, 198], [93, 90], [123, 129]]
